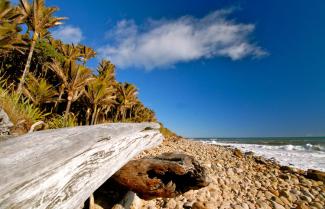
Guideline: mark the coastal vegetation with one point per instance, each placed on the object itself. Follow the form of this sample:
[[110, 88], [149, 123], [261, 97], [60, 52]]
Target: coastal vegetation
[[45, 79]]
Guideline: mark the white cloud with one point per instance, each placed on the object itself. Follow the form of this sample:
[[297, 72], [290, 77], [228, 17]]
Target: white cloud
[[68, 34], [163, 43]]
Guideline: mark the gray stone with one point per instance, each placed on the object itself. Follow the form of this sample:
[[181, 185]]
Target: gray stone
[[5, 123]]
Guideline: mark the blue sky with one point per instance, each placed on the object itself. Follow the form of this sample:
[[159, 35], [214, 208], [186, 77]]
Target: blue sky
[[213, 68]]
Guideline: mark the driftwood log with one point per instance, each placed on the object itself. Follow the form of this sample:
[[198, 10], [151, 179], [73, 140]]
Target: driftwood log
[[167, 175], [62, 168]]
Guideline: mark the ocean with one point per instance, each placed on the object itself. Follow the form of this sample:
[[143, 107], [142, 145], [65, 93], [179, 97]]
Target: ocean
[[301, 152]]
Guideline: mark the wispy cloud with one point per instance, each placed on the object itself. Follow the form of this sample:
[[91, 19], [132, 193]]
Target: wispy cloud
[[163, 43], [68, 34]]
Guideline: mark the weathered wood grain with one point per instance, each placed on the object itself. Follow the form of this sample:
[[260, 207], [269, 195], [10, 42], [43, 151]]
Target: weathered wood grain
[[61, 168]]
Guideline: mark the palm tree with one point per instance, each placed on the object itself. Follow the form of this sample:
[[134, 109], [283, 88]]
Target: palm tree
[[74, 79], [126, 98], [70, 52], [107, 71], [102, 91], [39, 91], [39, 19], [61, 92], [10, 18], [101, 96], [86, 53], [142, 113]]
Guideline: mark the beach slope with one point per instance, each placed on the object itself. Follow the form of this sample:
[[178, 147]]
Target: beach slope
[[241, 181]]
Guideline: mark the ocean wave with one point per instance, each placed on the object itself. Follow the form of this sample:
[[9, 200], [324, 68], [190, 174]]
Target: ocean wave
[[305, 156], [289, 147]]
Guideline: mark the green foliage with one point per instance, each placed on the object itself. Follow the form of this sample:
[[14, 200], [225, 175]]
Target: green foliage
[[126, 99], [166, 132], [101, 97], [86, 53], [39, 91], [10, 19], [59, 121], [19, 109], [38, 17], [49, 50], [106, 70]]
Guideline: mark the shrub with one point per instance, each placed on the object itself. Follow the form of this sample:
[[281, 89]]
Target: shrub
[[19, 110], [60, 121]]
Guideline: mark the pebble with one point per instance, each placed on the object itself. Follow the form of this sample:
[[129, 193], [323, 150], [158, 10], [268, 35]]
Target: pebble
[[264, 205], [198, 205], [245, 206], [305, 197], [188, 204], [171, 203], [302, 206], [277, 205], [268, 195], [285, 201], [317, 205], [237, 207]]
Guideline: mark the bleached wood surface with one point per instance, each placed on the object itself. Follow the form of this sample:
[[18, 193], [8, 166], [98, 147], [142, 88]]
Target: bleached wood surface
[[61, 168]]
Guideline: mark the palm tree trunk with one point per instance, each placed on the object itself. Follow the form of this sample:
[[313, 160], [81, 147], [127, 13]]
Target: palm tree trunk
[[59, 99], [123, 115], [88, 116], [67, 110], [94, 115], [117, 114], [27, 66], [70, 98]]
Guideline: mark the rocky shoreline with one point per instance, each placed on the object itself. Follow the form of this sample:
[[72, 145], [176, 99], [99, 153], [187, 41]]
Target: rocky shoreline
[[241, 181]]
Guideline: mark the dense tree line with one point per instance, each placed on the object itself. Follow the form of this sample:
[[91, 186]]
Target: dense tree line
[[51, 78]]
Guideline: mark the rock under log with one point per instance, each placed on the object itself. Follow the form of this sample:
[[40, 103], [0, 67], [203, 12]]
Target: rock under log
[[167, 175]]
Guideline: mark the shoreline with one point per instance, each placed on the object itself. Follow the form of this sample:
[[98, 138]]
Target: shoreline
[[300, 159], [240, 180]]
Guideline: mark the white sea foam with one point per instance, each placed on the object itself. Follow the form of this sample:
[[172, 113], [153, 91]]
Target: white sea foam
[[303, 157]]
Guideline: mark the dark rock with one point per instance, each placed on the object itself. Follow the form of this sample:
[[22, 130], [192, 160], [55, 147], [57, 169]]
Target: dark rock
[[250, 153], [284, 176], [167, 175], [316, 175], [238, 153], [289, 169], [261, 160]]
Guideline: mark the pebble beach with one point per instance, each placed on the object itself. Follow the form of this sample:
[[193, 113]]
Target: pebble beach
[[239, 180]]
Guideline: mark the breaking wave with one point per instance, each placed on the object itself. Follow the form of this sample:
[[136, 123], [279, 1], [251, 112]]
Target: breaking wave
[[303, 156], [306, 147]]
